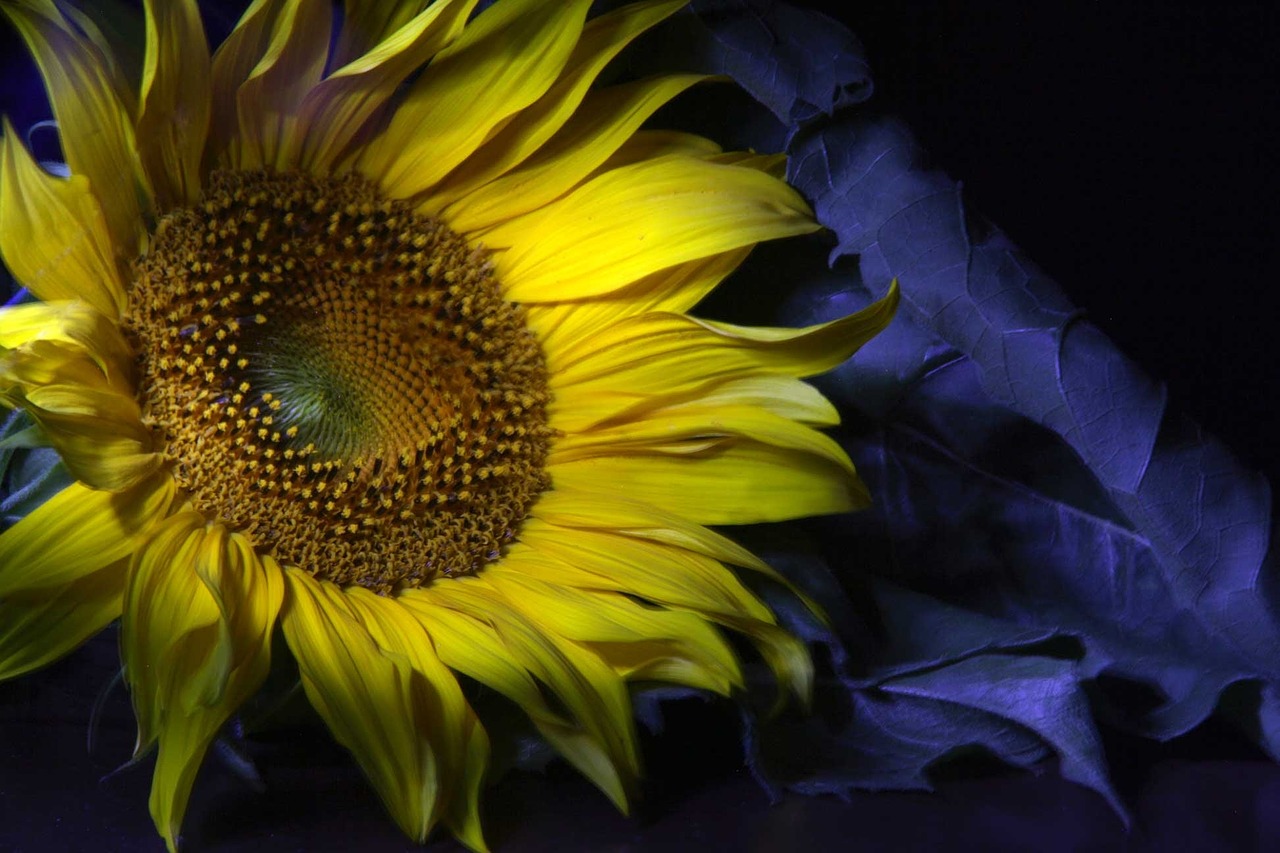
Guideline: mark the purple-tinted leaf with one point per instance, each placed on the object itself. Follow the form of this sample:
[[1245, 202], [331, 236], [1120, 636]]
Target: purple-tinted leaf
[[28, 478], [1038, 693], [1023, 467], [923, 633], [797, 62], [942, 681], [877, 740], [889, 733], [1089, 544]]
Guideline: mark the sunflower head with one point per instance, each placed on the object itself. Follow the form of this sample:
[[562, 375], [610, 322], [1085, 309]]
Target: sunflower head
[[380, 337]]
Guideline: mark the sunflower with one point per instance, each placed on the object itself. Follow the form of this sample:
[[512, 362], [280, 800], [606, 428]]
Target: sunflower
[[381, 337]]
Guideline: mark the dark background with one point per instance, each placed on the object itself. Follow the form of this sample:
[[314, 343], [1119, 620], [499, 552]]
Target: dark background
[[1130, 148]]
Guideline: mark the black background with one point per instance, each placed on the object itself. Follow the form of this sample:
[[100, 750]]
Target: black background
[[1130, 148]]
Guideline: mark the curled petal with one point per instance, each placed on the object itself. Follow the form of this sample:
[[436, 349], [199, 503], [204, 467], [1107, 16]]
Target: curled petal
[[340, 107], [53, 233], [95, 123], [98, 433], [195, 640], [446, 725], [692, 352], [176, 95], [390, 702], [481, 634], [73, 322]]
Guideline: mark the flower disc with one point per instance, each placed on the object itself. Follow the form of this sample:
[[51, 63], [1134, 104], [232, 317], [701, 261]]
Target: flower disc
[[340, 378]]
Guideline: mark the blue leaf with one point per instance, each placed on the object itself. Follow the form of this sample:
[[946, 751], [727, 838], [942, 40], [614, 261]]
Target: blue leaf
[[924, 634], [877, 740], [28, 476], [1156, 571], [1038, 693], [1023, 468], [942, 681], [799, 63]]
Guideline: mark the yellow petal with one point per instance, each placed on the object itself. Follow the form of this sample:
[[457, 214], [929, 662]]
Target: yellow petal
[[672, 577], [174, 121], [39, 627], [645, 145], [601, 126], [367, 696], [98, 433], [267, 100], [53, 234], [786, 656], [609, 561], [163, 572], [261, 72], [71, 322], [335, 112], [85, 22], [782, 395], [366, 23], [469, 644], [635, 220], [77, 532], [617, 516], [640, 642], [770, 164], [446, 727], [603, 748], [95, 127], [90, 416], [463, 817], [503, 61], [560, 325], [603, 38], [562, 508], [697, 428], [38, 363], [677, 355], [732, 483], [195, 641], [233, 62]]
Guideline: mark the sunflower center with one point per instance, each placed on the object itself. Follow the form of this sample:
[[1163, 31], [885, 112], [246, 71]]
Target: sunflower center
[[340, 378]]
